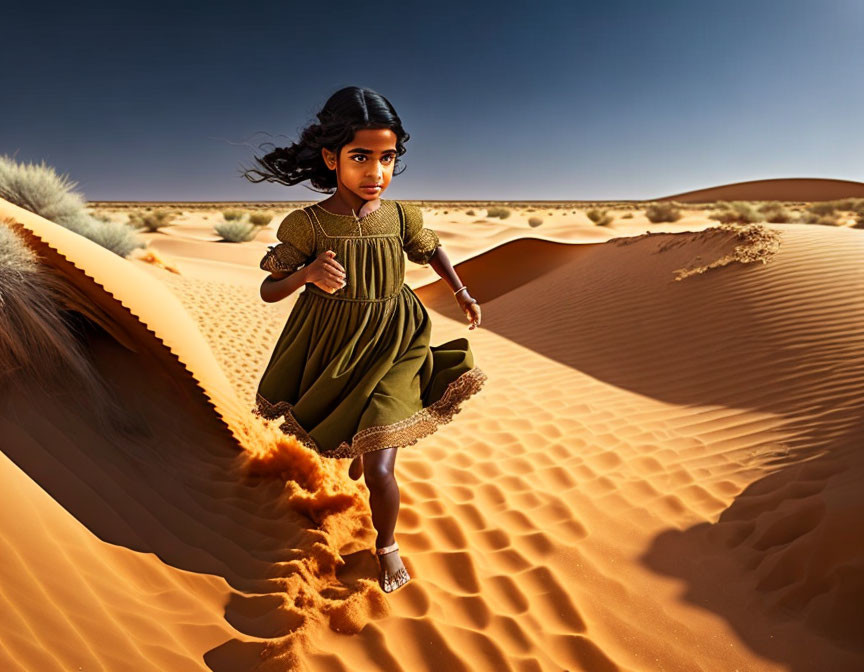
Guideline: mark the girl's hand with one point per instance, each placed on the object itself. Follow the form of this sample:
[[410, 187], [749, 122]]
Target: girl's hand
[[326, 273], [470, 307]]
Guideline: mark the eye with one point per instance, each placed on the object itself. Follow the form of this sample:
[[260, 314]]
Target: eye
[[389, 158]]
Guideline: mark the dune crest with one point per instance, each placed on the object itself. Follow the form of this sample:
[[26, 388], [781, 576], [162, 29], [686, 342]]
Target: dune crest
[[752, 242], [795, 189]]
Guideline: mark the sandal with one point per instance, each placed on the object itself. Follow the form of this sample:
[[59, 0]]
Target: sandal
[[392, 582]]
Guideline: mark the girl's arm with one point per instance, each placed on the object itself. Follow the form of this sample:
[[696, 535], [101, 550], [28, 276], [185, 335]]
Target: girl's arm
[[469, 305], [279, 284], [325, 273], [423, 246]]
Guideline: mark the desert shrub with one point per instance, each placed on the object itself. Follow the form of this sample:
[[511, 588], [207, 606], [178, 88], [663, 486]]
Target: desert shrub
[[38, 188], [260, 218], [859, 223], [498, 211], [470, 213], [775, 211], [629, 215], [233, 215], [150, 221], [663, 211], [534, 221], [736, 211], [826, 219], [595, 215], [38, 335], [118, 237], [600, 217], [236, 232], [822, 208], [851, 205], [605, 219]]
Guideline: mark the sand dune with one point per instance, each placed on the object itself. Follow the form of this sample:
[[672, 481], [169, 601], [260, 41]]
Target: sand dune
[[796, 189], [660, 474]]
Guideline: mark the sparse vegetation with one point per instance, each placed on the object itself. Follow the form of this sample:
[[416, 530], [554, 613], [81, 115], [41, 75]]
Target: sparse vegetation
[[233, 215], [595, 215], [39, 189], [600, 217], [151, 221], [741, 212], [629, 215], [260, 218], [236, 232], [828, 219], [534, 221], [774, 211], [470, 213], [663, 211], [822, 208], [498, 211], [855, 205]]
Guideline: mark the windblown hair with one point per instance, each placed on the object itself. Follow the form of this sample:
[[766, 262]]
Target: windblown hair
[[345, 112]]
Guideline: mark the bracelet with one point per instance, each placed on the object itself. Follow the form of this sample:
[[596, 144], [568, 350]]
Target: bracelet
[[460, 289]]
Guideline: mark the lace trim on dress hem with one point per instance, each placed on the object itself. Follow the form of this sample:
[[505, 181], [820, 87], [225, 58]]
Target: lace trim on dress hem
[[400, 434]]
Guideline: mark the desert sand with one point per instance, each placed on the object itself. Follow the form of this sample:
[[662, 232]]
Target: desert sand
[[662, 472]]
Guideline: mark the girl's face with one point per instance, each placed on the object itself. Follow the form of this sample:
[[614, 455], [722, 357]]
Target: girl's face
[[365, 165]]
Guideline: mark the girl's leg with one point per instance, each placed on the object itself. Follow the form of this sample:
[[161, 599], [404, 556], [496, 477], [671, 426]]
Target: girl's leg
[[384, 502], [355, 471], [383, 492]]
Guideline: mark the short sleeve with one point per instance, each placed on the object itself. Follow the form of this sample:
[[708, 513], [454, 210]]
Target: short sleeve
[[418, 242], [296, 245]]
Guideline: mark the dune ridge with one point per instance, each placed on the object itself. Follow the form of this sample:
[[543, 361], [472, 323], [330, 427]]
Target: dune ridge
[[107, 285], [794, 189]]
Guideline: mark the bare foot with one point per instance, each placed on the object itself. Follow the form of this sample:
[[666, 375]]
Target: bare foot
[[355, 471], [393, 572]]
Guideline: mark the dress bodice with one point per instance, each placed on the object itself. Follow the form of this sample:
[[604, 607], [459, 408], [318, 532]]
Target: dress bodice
[[369, 248]]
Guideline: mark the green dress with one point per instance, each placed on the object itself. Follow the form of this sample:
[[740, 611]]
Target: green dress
[[354, 371]]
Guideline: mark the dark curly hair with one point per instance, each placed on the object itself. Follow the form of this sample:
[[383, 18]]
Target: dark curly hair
[[345, 112]]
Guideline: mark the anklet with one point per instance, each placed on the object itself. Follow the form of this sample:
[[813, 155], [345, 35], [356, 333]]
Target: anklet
[[387, 549]]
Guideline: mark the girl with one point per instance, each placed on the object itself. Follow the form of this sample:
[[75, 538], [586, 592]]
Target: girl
[[353, 372]]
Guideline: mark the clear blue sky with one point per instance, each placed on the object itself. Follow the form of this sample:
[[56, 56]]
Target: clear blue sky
[[622, 99]]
